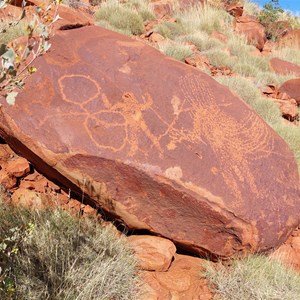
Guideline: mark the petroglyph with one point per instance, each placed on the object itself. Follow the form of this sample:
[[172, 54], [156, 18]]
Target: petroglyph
[[234, 144], [126, 115], [198, 118]]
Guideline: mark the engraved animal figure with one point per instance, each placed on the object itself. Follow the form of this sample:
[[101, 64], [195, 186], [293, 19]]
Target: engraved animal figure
[[233, 143]]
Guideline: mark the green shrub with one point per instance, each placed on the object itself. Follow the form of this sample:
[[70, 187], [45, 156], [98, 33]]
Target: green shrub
[[120, 17], [268, 16], [176, 50], [254, 278], [66, 258]]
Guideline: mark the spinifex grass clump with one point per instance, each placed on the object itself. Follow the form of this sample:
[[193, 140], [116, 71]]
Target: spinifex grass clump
[[254, 278], [120, 18], [49, 254]]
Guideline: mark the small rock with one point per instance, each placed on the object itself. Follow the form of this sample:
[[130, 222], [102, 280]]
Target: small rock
[[197, 60], [18, 167], [236, 9], [30, 199], [7, 180], [183, 281], [153, 253], [219, 36], [156, 38]]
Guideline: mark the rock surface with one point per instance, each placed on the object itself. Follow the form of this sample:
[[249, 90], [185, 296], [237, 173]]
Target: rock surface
[[252, 29], [284, 67], [154, 253], [184, 280], [164, 149], [292, 88]]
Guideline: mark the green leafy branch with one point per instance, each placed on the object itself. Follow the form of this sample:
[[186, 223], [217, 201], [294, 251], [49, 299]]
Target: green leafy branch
[[17, 57]]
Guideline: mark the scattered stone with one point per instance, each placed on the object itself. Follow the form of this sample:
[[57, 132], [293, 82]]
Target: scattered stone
[[198, 60], [153, 253]]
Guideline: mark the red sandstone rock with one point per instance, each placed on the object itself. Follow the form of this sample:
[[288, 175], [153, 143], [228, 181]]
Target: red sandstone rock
[[236, 9], [289, 252], [219, 36], [292, 88], [198, 60], [291, 39], [7, 180], [5, 153], [153, 253], [252, 29], [30, 199], [18, 167], [284, 67], [184, 280], [162, 8], [166, 149], [288, 109], [156, 38]]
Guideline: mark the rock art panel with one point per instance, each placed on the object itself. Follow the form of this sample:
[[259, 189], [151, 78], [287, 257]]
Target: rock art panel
[[158, 144]]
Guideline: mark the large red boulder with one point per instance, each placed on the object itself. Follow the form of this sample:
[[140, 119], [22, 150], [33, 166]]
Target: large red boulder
[[284, 67], [252, 29], [292, 88], [158, 144]]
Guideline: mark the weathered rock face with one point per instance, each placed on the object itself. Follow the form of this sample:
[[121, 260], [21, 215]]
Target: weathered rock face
[[284, 67], [157, 143], [252, 29], [292, 88]]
